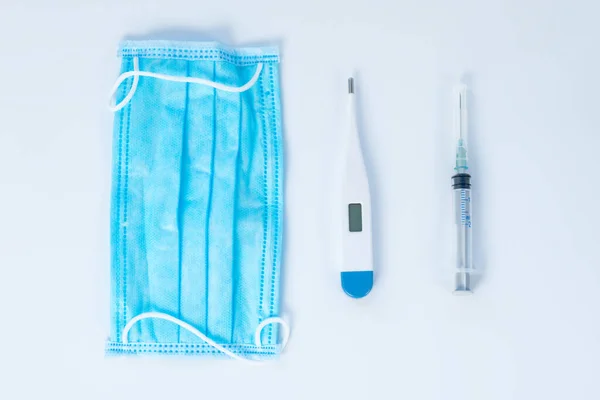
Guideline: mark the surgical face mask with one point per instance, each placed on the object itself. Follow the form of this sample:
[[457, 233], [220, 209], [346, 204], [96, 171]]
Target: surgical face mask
[[196, 201]]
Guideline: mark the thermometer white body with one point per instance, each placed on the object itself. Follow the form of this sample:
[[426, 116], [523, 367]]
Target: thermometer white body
[[357, 267]]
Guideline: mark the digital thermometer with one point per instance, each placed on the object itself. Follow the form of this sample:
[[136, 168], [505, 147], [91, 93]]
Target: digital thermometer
[[357, 268]]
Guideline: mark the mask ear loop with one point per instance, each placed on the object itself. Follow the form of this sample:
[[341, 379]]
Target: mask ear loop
[[273, 320], [136, 73], [209, 341], [111, 105]]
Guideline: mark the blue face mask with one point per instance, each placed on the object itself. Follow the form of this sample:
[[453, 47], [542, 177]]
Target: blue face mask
[[196, 201]]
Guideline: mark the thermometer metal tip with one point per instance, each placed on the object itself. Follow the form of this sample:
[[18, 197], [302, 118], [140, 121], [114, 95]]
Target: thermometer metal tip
[[350, 85]]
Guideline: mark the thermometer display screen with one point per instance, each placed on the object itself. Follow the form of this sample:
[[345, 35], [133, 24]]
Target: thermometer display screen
[[355, 217]]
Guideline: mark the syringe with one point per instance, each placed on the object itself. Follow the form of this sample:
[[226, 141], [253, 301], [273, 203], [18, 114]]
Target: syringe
[[461, 184]]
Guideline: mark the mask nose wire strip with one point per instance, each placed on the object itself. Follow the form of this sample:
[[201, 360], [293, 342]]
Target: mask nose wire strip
[[136, 73], [209, 341]]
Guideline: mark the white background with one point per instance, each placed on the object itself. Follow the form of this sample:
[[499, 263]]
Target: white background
[[531, 330]]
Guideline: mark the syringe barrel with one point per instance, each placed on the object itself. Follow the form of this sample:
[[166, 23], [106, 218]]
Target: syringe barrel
[[461, 184]]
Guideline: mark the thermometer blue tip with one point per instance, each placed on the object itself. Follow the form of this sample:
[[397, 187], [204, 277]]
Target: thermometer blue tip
[[357, 284]]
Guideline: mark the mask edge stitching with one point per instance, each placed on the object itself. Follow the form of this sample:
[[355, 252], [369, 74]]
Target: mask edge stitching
[[265, 199], [113, 348], [198, 54], [125, 206], [276, 216], [117, 268]]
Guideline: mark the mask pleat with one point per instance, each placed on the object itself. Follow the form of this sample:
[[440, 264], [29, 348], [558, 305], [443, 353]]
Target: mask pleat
[[250, 214], [157, 166], [236, 245], [184, 187], [198, 197], [222, 219]]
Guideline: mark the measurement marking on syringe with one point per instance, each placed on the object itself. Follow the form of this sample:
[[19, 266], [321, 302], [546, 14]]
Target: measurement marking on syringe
[[463, 207], [465, 217]]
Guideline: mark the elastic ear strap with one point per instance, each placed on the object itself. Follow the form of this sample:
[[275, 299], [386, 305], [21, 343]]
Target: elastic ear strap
[[136, 73], [111, 105], [209, 341]]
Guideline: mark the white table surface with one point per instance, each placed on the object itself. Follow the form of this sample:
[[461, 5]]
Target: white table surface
[[531, 330]]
